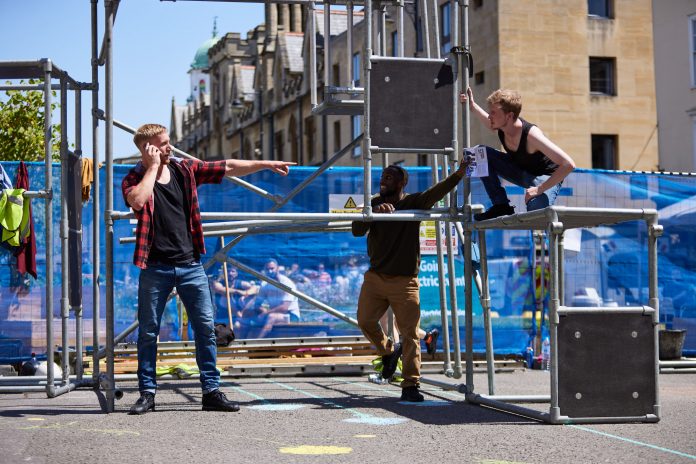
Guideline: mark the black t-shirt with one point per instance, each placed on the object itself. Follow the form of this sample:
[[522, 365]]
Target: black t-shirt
[[172, 243]]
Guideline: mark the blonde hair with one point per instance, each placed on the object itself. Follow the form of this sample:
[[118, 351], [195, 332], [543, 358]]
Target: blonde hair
[[146, 131], [509, 100]]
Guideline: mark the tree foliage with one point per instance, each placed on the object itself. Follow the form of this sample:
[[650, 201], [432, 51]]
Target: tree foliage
[[22, 126]]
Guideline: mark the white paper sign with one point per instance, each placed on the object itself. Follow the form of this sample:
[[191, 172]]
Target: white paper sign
[[479, 163], [572, 240]]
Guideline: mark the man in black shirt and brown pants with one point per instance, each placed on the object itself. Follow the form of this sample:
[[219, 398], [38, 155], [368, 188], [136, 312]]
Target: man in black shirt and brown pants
[[530, 160], [392, 280]]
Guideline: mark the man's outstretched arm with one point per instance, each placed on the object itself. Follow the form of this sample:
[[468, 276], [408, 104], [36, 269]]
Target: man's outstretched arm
[[239, 168], [437, 192], [474, 107]]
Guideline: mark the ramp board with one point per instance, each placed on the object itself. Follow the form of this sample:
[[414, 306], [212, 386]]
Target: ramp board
[[606, 365], [411, 104]]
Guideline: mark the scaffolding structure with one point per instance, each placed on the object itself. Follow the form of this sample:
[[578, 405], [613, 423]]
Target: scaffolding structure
[[70, 227], [455, 72]]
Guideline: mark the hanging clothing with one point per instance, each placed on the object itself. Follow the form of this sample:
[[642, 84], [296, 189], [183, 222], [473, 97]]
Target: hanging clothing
[[14, 216], [87, 178], [5, 182], [26, 256]]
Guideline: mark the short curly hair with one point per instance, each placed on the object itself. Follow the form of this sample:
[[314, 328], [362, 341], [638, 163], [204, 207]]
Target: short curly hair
[[401, 172], [146, 131], [509, 100]]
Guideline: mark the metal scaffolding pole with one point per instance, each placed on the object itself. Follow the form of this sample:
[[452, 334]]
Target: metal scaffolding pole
[[447, 361], [96, 259], [65, 268], [48, 153], [367, 141], [78, 309], [486, 304], [107, 381]]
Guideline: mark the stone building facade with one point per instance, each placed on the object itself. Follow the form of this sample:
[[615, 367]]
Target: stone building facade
[[584, 68], [674, 27]]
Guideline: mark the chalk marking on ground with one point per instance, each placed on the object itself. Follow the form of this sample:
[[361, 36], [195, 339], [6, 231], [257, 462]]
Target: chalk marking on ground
[[360, 417], [316, 450], [635, 442], [72, 424], [427, 403], [265, 404]]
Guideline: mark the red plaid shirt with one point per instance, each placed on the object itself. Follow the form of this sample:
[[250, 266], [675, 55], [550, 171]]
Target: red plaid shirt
[[195, 172]]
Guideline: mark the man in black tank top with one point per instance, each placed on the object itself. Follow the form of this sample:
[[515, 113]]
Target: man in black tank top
[[530, 160]]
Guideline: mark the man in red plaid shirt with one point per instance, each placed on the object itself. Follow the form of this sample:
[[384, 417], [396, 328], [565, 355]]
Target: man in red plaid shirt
[[161, 190]]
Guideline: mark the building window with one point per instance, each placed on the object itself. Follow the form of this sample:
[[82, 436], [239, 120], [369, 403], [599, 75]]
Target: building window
[[337, 136], [692, 48], [479, 78], [279, 145], [445, 31], [336, 78], [604, 152], [246, 150], [293, 138], [419, 33], [600, 8], [357, 72], [356, 130], [395, 43], [603, 76], [310, 131]]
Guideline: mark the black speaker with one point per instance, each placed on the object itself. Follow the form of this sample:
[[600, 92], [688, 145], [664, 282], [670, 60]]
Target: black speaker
[[411, 104], [606, 364]]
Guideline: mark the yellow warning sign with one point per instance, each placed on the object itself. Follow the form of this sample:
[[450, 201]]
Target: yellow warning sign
[[344, 203]]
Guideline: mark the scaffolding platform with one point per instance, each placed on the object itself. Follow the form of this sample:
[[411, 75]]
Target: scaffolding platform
[[569, 217], [347, 107]]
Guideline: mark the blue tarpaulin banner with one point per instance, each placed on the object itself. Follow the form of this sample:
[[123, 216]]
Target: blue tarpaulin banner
[[604, 265]]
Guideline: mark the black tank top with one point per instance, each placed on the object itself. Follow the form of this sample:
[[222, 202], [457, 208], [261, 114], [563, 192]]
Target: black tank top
[[535, 163], [172, 243]]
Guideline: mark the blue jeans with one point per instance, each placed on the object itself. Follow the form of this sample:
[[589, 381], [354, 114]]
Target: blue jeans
[[501, 166], [155, 285]]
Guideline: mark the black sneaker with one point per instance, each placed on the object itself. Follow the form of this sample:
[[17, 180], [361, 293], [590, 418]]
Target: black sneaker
[[217, 401], [144, 403], [389, 362], [411, 394], [494, 212], [431, 341]]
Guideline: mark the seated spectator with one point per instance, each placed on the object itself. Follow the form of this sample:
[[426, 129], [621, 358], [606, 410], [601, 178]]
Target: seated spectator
[[322, 277], [351, 274], [241, 295], [273, 305], [295, 274]]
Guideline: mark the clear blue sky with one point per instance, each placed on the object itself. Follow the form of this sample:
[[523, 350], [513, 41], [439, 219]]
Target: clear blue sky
[[154, 45]]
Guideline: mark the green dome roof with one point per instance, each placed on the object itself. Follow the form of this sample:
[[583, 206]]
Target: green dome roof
[[200, 61]]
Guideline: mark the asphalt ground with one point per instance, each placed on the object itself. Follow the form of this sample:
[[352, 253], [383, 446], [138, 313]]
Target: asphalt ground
[[334, 420]]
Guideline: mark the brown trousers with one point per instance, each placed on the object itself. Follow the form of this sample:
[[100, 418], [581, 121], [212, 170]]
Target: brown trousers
[[379, 291]]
